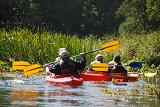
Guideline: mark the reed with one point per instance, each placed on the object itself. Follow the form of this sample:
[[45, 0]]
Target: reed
[[144, 48], [42, 47]]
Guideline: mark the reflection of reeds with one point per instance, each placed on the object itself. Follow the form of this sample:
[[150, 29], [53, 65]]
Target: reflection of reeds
[[20, 95], [24, 95]]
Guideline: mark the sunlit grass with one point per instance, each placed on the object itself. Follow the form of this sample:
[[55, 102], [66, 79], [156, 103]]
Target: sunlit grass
[[144, 48], [42, 47]]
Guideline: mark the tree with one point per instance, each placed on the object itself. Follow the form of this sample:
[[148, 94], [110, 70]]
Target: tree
[[17, 13], [153, 13], [139, 16]]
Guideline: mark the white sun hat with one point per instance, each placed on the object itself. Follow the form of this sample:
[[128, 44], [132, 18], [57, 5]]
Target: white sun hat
[[99, 57], [64, 54], [61, 49]]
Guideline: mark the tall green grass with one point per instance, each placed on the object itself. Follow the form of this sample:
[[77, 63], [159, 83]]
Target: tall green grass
[[42, 47], [144, 48]]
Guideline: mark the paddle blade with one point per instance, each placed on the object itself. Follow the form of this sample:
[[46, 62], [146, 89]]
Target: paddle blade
[[150, 74], [100, 67], [32, 69], [109, 46], [135, 65], [19, 65]]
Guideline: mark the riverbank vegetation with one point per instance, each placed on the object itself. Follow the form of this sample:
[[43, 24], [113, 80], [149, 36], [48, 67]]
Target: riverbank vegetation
[[42, 47]]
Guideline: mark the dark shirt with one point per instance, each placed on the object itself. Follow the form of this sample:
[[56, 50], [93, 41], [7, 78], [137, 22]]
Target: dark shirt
[[68, 66], [116, 67]]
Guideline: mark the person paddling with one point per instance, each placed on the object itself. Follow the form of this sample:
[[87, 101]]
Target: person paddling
[[66, 65], [115, 65], [98, 59], [56, 60]]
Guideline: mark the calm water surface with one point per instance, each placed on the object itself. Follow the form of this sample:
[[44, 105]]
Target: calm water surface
[[39, 93]]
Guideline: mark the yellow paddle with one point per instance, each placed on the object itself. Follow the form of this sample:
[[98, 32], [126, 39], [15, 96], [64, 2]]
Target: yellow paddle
[[107, 47], [150, 74], [100, 67], [32, 69], [104, 66], [19, 65], [16, 65]]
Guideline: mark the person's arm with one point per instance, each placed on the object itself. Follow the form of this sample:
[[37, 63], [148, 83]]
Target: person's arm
[[55, 68], [82, 64]]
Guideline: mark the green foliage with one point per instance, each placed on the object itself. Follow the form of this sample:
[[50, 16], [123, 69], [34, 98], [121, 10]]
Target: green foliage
[[42, 47], [131, 26], [70, 16], [17, 13], [144, 48], [153, 10], [140, 16], [135, 16]]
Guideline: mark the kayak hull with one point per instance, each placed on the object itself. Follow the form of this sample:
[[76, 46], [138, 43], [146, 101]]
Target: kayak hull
[[104, 76], [65, 79], [77, 79]]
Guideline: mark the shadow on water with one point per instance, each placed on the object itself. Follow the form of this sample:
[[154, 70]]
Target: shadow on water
[[37, 92]]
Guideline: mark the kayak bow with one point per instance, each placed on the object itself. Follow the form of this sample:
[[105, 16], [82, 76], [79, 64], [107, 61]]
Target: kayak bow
[[68, 79]]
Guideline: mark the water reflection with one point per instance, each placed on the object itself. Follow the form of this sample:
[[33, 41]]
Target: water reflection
[[37, 92], [135, 94], [63, 95], [24, 95]]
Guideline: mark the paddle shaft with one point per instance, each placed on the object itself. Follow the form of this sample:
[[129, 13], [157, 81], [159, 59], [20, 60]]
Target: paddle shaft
[[96, 50], [99, 49], [3, 58]]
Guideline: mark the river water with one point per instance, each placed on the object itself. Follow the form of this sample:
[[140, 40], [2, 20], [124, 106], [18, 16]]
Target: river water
[[32, 92]]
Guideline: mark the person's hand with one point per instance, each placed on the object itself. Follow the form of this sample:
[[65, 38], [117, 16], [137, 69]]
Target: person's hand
[[46, 65], [116, 64], [82, 55]]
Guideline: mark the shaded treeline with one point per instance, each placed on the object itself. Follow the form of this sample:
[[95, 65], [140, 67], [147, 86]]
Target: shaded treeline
[[83, 17]]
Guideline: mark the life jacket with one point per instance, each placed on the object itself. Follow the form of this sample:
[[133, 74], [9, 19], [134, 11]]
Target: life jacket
[[116, 67], [68, 66], [95, 62]]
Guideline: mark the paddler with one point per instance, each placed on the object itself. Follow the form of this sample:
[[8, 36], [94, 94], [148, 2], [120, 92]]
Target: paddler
[[65, 65], [115, 65], [98, 59], [56, 60]]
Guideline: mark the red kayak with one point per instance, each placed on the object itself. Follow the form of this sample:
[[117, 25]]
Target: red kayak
[[77, 79], [68, 79], [104, 76]]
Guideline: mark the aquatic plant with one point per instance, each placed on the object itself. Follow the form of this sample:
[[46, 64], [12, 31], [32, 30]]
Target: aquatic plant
[[152, 90]]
